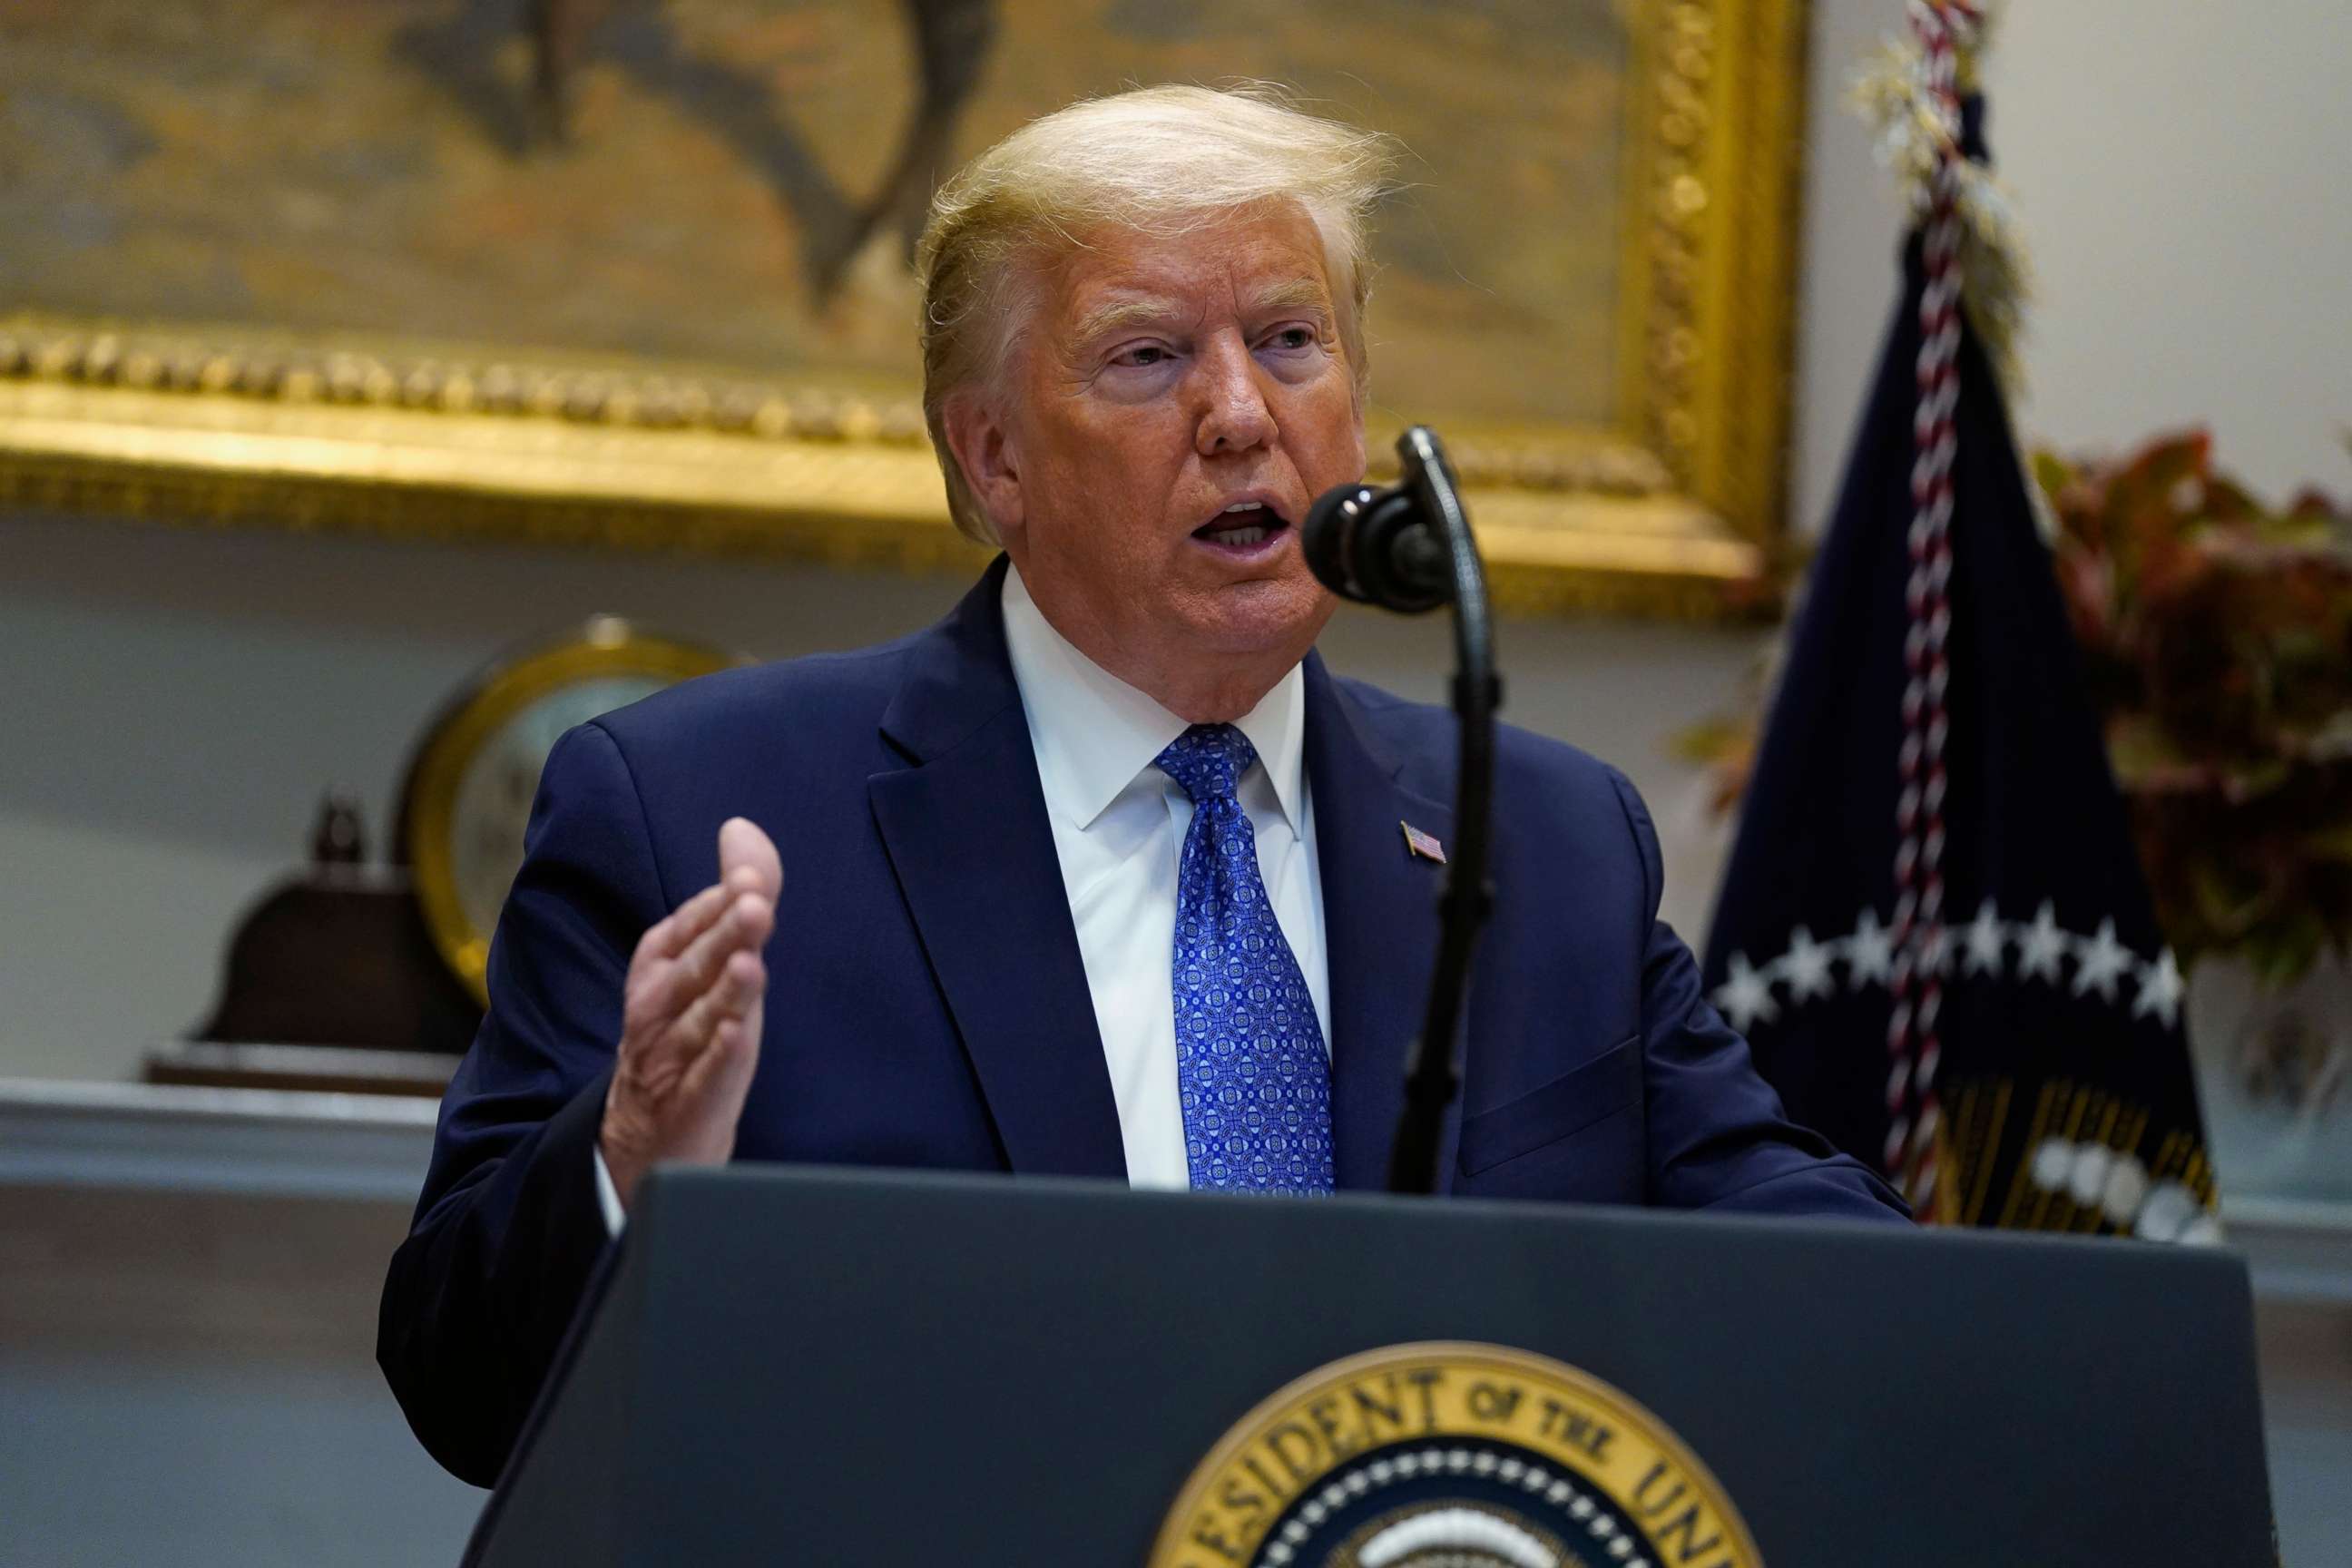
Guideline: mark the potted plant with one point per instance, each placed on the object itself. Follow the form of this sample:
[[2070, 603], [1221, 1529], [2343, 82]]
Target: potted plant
[[2216, 635]]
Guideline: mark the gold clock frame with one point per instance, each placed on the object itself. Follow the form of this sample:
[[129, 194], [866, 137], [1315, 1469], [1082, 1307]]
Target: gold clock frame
[[606, 646], [1675, 509]]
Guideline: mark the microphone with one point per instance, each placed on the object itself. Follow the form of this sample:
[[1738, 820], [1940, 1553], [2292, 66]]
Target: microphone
[[1378, 547], [1410, 549]]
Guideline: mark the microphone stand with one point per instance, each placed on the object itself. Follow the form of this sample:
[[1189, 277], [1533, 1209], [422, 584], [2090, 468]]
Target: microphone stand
[[1433, 1073]]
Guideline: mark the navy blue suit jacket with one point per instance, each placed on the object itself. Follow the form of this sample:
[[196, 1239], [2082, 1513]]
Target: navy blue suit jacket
[[928, 1006]]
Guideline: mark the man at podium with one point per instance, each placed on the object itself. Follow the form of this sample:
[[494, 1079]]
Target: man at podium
[[1103, 874]]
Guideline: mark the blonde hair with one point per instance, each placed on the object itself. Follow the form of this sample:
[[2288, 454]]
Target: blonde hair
[[1158, 160]]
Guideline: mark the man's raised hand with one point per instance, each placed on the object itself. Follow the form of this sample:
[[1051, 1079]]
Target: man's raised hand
[[690, 1019]]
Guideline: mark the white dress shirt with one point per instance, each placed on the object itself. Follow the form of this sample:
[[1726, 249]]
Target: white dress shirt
[[1119, 830]]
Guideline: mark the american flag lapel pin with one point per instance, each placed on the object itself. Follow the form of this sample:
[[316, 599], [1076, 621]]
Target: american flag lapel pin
[[1422, 844]]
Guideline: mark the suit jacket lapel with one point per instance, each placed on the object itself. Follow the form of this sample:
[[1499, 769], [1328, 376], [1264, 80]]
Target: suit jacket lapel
[[967, 833], [1380, 921]]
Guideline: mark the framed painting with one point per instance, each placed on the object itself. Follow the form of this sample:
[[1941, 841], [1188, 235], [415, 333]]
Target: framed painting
[[634, 273]]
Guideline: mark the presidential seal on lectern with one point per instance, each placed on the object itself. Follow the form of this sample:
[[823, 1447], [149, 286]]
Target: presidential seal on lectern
[[1451, 1456]]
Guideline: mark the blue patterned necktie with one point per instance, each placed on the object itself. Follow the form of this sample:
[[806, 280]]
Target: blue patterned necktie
[[1251, 1070]]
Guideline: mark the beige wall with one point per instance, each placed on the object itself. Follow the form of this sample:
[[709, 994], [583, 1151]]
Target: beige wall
[[175, 703], [2181, 170]]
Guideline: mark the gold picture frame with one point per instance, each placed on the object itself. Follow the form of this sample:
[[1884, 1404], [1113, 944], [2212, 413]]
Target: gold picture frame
[[1674, 508]]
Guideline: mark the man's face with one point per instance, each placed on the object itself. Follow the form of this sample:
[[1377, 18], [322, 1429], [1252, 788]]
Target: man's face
[[1173, 407]]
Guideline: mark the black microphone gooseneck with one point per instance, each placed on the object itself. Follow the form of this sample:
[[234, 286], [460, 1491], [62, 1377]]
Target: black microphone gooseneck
[[1410, 549]]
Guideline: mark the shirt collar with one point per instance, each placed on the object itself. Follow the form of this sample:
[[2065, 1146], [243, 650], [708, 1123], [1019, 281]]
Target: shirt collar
[[1094, 733]]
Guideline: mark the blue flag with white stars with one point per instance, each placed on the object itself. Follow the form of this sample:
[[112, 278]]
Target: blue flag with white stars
[[2010, 1051]]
